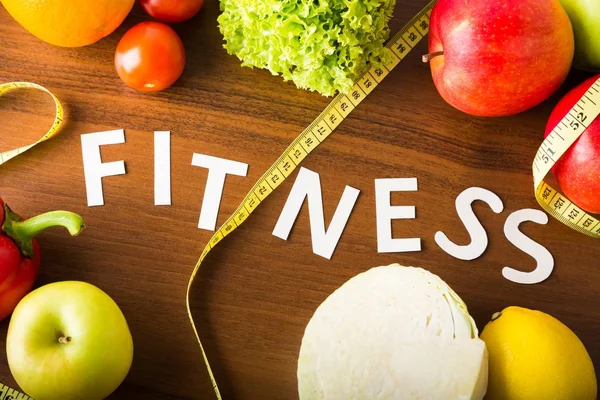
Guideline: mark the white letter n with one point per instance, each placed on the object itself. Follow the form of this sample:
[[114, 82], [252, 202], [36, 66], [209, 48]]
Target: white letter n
[[308, 185]]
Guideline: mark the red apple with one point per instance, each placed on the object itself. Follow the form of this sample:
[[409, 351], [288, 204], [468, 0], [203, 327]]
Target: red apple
[[578, 170], [499, 57]]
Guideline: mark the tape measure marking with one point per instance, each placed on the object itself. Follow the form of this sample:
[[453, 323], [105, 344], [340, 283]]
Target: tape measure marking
[[562, 137], [7, 393], [310, 138], [58, 118]]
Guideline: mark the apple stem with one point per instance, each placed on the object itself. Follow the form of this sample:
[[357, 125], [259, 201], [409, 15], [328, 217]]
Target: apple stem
[[428, 57], [64, 340]]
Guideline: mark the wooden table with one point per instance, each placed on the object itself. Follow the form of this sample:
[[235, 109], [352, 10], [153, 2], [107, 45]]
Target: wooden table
[[257, 292]]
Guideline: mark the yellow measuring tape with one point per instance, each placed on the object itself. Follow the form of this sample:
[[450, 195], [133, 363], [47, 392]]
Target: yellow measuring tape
[[58, 119], [568, 130], [333, 115], [7, 393], [342, 105]]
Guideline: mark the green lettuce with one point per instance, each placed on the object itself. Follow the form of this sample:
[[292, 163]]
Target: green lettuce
[[320, 45]]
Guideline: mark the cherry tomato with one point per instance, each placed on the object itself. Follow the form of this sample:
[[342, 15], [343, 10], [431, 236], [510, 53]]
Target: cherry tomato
[[172, 10], [150, 57]]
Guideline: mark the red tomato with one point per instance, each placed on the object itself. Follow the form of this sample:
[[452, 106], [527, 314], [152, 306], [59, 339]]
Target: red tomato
[[172, 10], [150, 57]]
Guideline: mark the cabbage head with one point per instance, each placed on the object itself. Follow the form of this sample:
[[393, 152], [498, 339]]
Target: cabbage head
[[320, 45]]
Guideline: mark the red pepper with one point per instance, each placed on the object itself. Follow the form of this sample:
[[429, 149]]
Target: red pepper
[[20, 254]]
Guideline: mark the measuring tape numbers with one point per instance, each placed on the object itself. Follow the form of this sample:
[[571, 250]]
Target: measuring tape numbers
[[568, 130], [56, 125], [7, 393], [333, 115]]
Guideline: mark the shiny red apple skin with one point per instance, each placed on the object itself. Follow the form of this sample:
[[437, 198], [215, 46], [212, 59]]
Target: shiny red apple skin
[[501, 57], [578, 170]]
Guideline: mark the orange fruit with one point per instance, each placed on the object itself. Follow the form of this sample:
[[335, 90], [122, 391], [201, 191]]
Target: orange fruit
[[69, 23]]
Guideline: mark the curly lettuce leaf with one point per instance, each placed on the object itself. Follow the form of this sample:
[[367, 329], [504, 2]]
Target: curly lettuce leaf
[[321, 45]]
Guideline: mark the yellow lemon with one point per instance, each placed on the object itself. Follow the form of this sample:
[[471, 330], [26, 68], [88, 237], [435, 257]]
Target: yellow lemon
[[534, 356], [69, 23]]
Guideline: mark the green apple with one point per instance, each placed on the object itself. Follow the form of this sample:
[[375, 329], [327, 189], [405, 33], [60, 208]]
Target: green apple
[[585, 18], [68, 340]]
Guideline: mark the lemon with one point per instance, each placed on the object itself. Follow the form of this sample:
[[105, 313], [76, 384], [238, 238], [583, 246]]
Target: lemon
[[69, 23], [532, 355]]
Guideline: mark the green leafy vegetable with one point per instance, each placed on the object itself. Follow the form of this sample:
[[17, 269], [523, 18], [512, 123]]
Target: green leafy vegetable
[[321, 45]]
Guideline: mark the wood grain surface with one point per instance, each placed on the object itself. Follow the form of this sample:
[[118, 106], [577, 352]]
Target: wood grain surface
[[256, 292]]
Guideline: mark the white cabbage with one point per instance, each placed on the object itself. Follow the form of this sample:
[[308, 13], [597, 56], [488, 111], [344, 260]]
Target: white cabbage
[[392, 332]]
